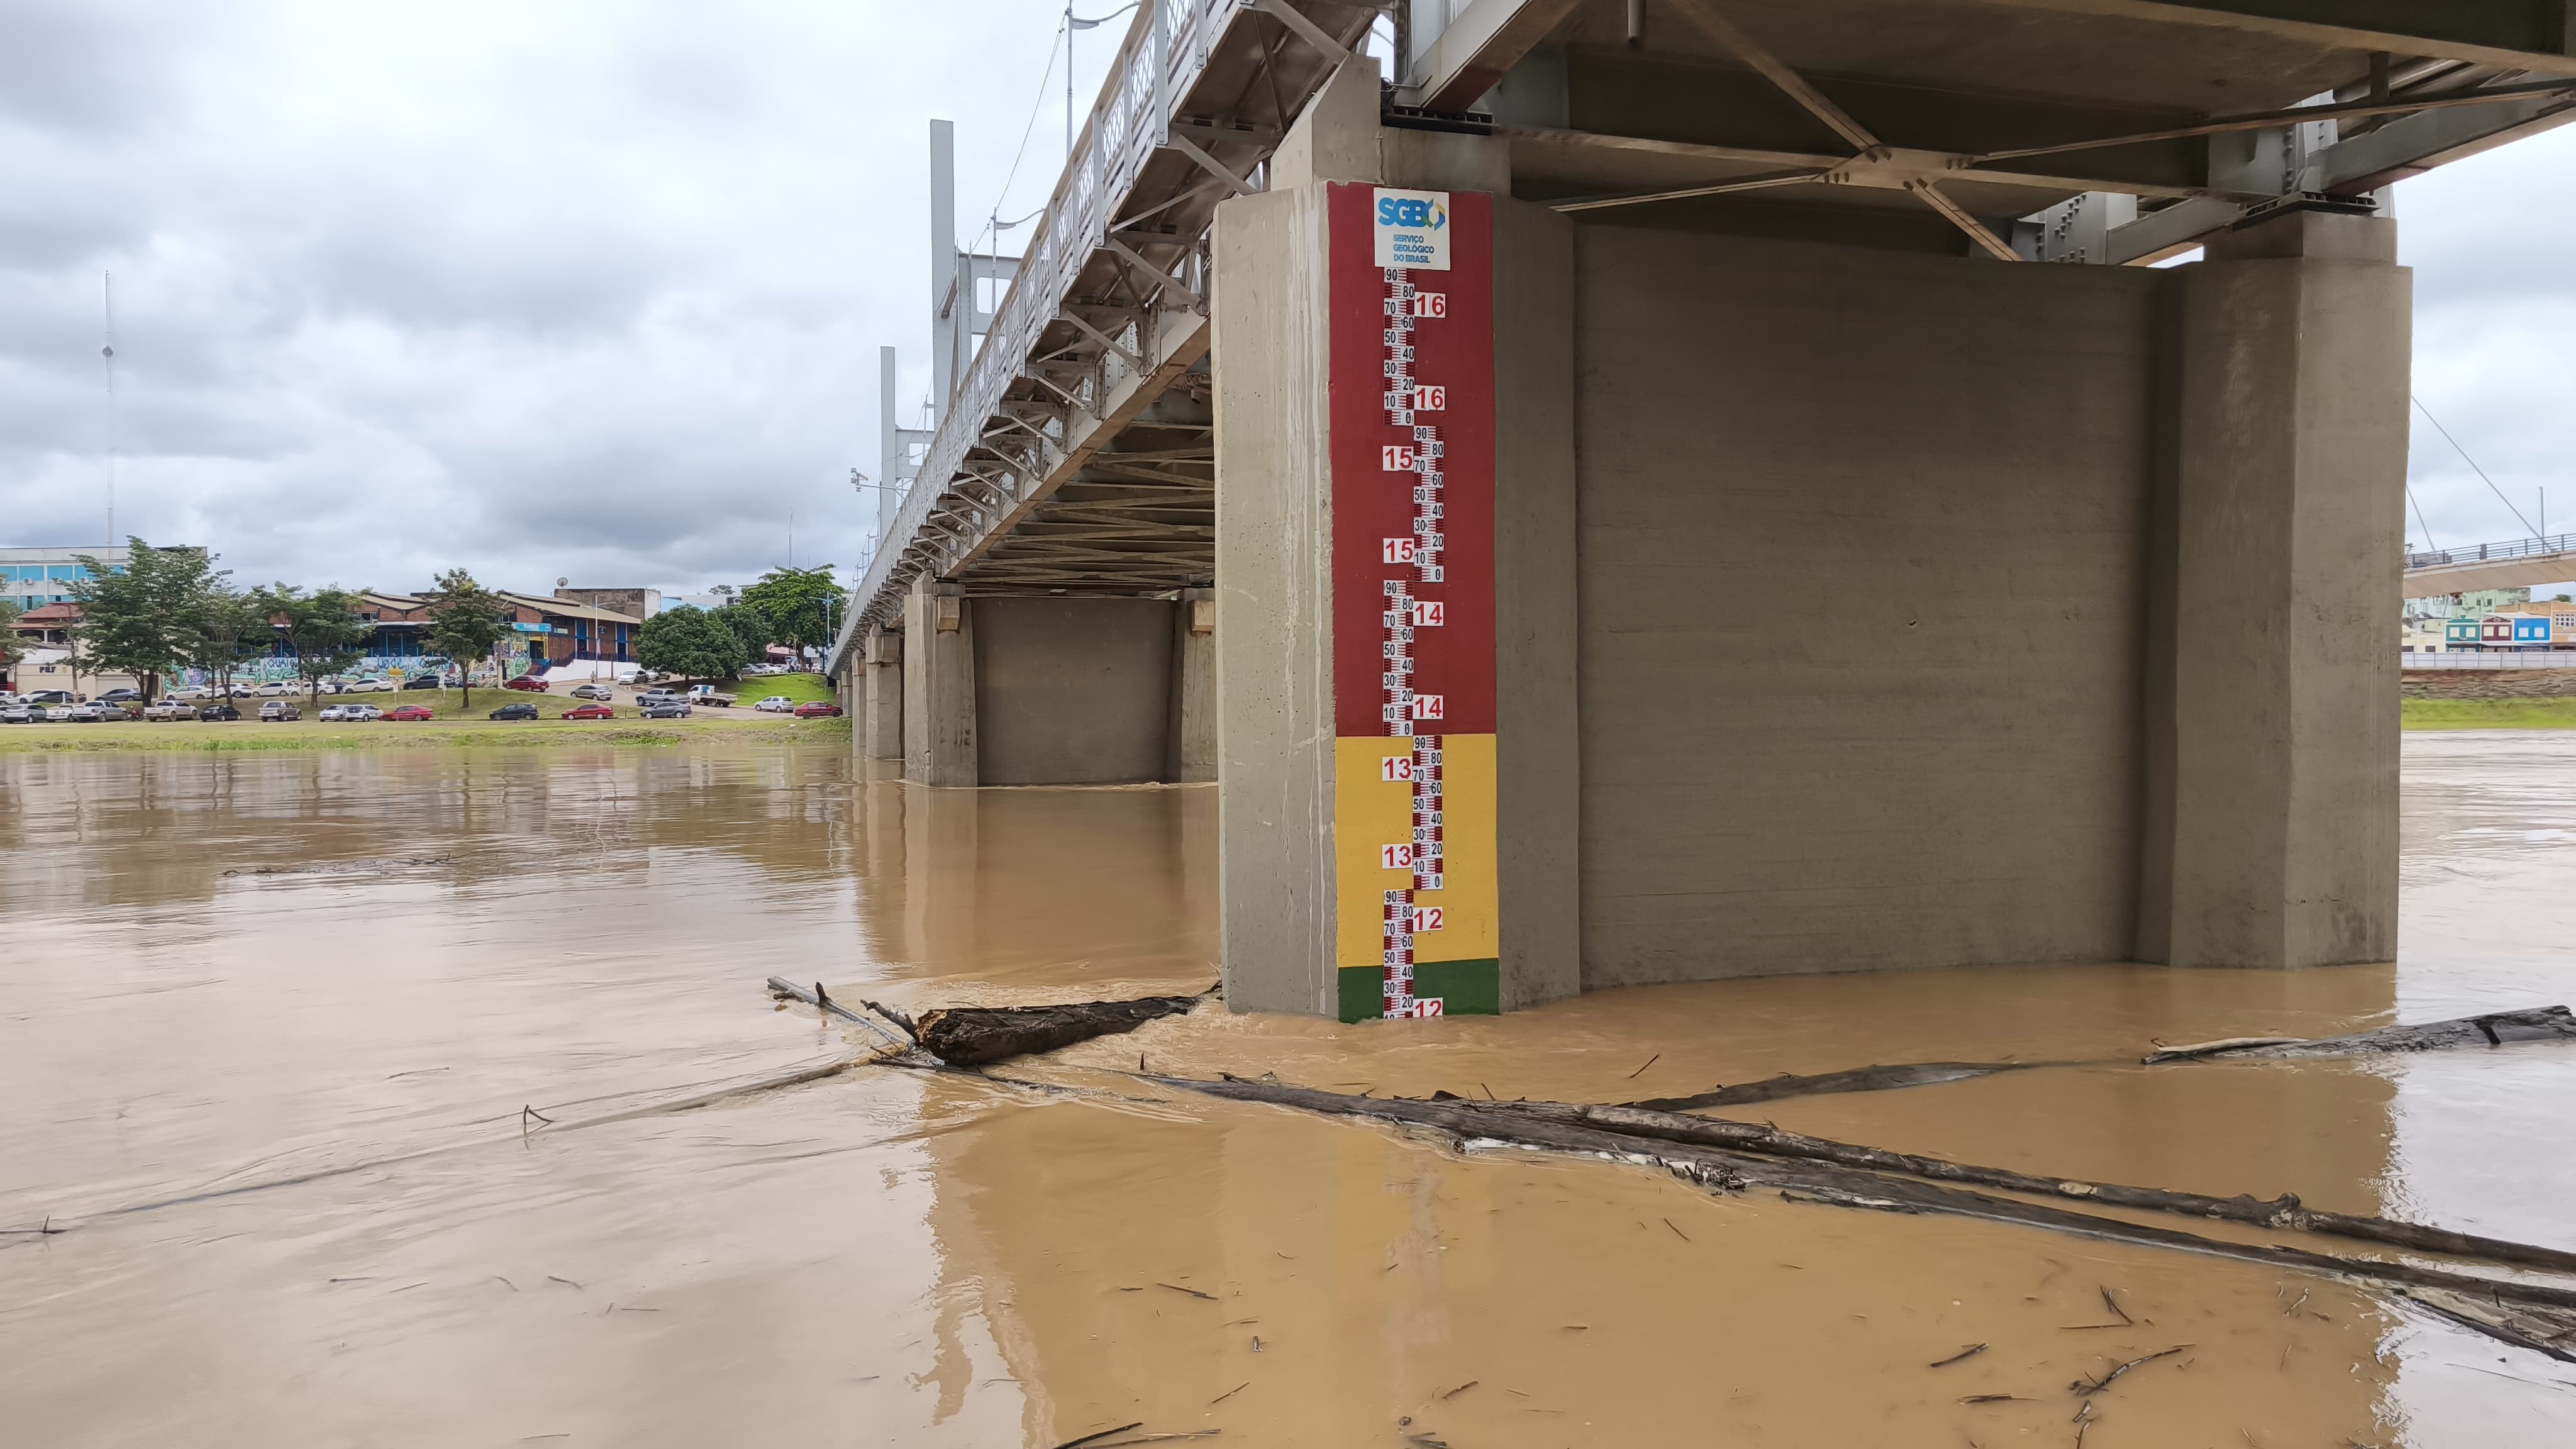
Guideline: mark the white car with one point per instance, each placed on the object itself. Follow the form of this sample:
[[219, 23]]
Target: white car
[[777, 704], [367, 686], [274, 689], [191, 693], [352, 712]]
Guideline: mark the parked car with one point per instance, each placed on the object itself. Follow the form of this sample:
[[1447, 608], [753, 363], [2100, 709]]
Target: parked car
[[818, 709], [776, 704], [667, 708], [49, 697], [590, 711], [517, 709], [352, 712], [409, 712], [120, 696], [368, 685], [600, 692], [83, 713], [16, 712], [278, 709], [424, 681], [191, 693], [169, 709], [218, 711], [633, 676], [528, 682], [706, 694], [274, 689]]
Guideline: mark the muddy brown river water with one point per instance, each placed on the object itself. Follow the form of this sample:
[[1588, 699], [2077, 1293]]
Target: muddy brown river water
[[270, 1029]]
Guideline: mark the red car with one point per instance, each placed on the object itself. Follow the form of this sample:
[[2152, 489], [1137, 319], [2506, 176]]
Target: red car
[[408, 712], [818, 709], [526, 681], [591, 711]]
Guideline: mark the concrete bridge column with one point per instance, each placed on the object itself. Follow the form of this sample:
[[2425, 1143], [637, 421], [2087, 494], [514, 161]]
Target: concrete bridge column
[[880, 730], [2275, 539], [1395, 569], [939, 686], [1192, 741]]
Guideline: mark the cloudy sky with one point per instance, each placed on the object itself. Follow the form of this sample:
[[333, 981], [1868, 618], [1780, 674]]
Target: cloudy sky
[[594, 288]]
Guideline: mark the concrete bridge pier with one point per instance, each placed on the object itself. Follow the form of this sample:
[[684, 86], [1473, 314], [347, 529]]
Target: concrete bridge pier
[[1191, 753], [939, 686], [1044, 689], [2275, 550], [879, 732], [1610, 604]]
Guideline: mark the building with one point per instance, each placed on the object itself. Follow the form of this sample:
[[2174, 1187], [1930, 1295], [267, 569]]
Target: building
[[558, 635], [2476, 601], [633, 603], [51, 633], [400, 620], [34, 577]]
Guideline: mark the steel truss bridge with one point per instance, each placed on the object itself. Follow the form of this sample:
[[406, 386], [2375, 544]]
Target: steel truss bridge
[[1075, 453]]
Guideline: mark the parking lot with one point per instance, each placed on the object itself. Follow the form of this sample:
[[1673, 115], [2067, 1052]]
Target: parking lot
[[270, 707]]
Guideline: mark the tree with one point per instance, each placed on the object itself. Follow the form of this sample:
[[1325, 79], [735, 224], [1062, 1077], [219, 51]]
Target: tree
[[142, 619], [322, 630], [797, 603], [749, 627], [689, 642], [466, 620], [231, 627], [12, 648]]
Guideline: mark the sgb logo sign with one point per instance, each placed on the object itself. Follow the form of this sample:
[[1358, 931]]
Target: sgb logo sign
[[1412, 229]]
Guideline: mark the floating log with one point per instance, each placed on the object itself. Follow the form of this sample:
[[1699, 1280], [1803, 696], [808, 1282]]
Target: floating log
[[2285, 1211], [2530, 1312], [970, 1036], [2495, 1028]]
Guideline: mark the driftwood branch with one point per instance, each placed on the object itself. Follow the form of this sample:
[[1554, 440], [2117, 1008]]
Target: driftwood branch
[[822, 1001], [2496, 1028], [2537, 1312], [2285, 1211], [1857, 1079], [2499, 1028]]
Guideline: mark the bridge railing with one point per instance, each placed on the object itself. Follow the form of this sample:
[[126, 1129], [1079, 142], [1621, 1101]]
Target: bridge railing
[[1165, 50], [2492, 552]]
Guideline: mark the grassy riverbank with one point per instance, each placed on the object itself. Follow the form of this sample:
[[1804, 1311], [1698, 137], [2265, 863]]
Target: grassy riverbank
[[249, 736], [2490, 714]]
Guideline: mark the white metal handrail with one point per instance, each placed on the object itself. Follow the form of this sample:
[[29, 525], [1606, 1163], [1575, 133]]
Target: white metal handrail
[[2492, 552], [1163, 54]]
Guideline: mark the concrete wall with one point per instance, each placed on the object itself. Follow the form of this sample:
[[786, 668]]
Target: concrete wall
[[1927, 750], [1072, 691]]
